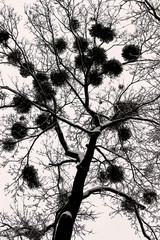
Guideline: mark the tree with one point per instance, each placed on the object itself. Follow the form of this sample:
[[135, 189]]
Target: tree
[[81, 115]]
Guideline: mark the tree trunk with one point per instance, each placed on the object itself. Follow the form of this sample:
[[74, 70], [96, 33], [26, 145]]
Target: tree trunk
[[66, 219]]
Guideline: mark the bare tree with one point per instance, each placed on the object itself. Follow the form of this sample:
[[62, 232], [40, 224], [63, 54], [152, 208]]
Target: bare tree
[[81, 115]]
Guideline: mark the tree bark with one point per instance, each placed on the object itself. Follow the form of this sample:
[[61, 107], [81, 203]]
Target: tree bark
[[65, 220]]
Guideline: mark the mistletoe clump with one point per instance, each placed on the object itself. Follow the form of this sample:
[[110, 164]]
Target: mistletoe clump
[[19, 130], [14, 57], [42, 87], [80, 44], [95, 78], [8, 144], [59, 78], [128, 205], [121, 86], [131, 52], [40, 81], [44, 94], [97, 55], [60, 45], [30, 176], [112, 68], [43, 121], [74, 24], [32, 233], [96, 30], [4, 36], [21, 104], [124, 133], [83, 62], [115, 173], [105, 34], [26, 69], [125, 109], [22, 118], [102, 176], [149, 196], [62, 198], [41, 77]]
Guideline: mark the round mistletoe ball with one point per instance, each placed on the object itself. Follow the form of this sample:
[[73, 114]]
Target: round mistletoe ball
[[59, 78], [112, 68], [4, 36], [124, 133], [61, 45], [21, 104], [74, 24], [19, 130], [30, 176], [80, 44], [14, 57], [8, 144], [131, 52], [26, 69], [115, 173], [95, 78]]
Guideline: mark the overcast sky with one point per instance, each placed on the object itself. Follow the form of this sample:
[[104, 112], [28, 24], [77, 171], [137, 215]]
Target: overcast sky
[[105, 227]]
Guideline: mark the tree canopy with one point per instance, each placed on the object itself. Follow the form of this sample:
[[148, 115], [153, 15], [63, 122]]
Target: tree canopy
[[81, 115]]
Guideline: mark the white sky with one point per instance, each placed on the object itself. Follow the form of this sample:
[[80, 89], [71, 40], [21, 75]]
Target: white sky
[[104, 227]]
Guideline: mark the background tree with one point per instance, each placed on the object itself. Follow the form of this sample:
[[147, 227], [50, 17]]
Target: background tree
[[79, 119]]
